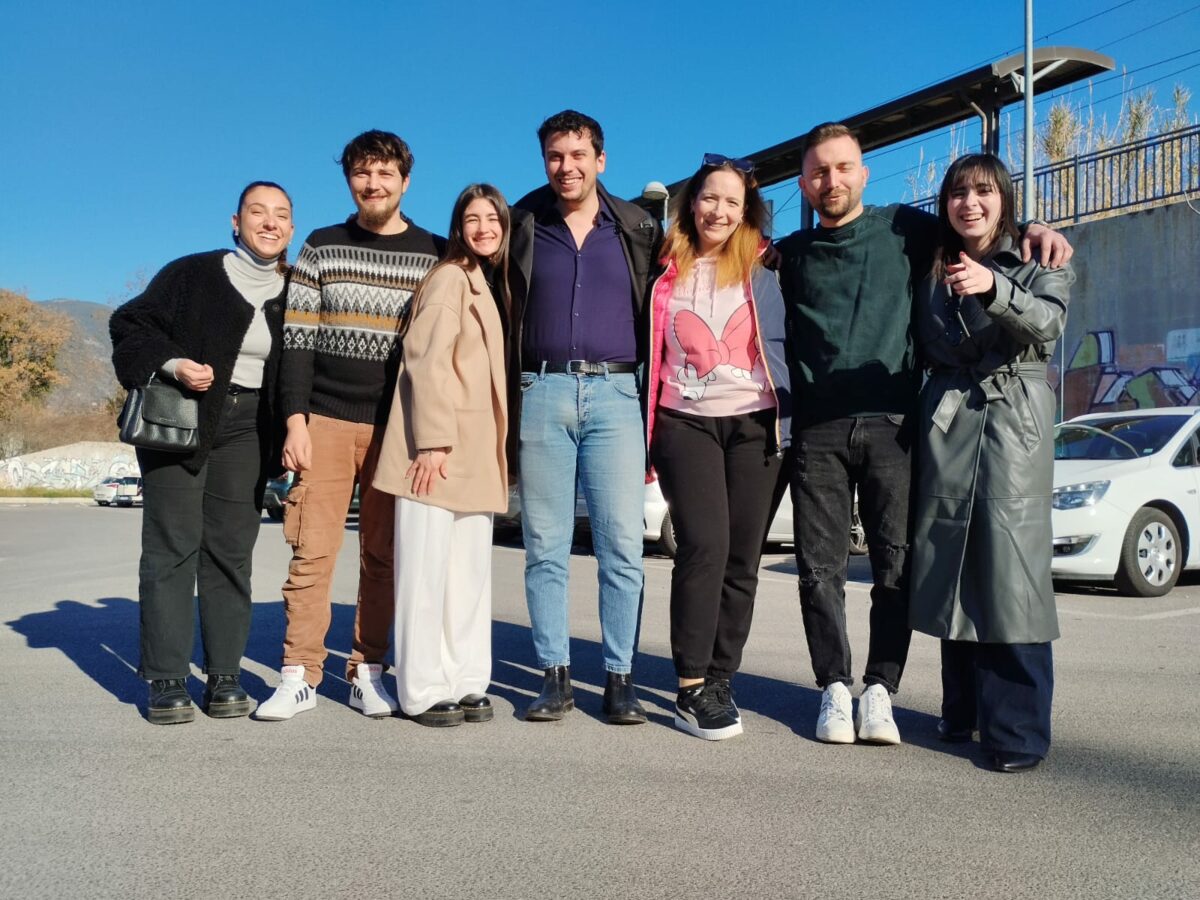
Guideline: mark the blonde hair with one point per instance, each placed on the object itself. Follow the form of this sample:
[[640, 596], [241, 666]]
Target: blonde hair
[[739, 254]]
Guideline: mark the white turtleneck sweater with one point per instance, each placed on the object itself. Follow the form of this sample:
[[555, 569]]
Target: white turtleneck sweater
[[259, 282]]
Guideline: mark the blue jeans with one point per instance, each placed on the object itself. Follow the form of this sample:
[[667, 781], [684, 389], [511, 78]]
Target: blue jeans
[[585, 429]]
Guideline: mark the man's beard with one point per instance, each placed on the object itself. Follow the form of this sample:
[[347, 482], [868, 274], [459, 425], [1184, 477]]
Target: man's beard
[[835, 207], [375, 216]]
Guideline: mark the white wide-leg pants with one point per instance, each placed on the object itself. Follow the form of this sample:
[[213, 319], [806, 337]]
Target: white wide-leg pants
[[443, 578]]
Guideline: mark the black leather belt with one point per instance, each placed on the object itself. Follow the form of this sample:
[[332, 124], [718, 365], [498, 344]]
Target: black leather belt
[[583, 367], [238, 389]]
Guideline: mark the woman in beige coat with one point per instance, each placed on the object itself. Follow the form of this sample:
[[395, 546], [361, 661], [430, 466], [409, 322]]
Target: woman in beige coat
[[443, 457]]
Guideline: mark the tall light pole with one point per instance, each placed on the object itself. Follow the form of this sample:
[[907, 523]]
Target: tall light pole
[[1030, 212]]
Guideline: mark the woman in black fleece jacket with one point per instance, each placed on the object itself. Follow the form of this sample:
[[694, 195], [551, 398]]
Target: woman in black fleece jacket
[[213, 322]]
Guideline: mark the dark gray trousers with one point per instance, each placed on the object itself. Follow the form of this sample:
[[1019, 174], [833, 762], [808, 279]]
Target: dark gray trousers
[[198, 534]]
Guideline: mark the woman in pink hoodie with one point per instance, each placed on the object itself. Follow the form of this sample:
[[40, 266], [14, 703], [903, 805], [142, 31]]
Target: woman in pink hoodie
[[717, 425]]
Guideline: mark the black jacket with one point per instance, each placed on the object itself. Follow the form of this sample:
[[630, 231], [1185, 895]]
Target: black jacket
[[191, 310], [641, 239]]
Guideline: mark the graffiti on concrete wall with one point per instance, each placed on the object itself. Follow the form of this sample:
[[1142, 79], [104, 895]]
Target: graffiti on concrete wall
[[65, 472], [1104, 375]]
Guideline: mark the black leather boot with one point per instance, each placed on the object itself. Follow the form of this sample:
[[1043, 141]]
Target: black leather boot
[[224, 697], [477, 708], [556, 699], [954, 734], [170, 703], [1007, 761], [444, 714], [620, 701]]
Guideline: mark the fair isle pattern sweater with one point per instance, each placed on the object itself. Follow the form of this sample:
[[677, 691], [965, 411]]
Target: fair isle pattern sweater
[[348, 291]]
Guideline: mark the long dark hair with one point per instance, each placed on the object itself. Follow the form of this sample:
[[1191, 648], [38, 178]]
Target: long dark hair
[[281, 263], [458, 253], [740, 251], [975, 168]]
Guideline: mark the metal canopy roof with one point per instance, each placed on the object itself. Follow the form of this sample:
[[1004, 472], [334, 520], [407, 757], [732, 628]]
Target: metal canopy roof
[[982, 93]]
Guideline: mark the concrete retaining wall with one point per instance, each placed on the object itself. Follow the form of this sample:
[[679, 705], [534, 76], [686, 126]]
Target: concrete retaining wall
[[70, 467], [1133, 329]]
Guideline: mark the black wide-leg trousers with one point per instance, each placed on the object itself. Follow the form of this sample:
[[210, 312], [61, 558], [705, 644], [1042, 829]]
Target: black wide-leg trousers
[[198, 535]]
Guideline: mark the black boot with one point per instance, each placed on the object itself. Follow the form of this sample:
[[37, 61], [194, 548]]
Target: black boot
[[556, 698], [1007, 761], [224, 697], [620, 701], [477, 708], [169, 702], [445, 714]]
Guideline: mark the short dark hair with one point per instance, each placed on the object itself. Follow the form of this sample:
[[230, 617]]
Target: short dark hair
[[826, 131], [378, 146], [571, 122]]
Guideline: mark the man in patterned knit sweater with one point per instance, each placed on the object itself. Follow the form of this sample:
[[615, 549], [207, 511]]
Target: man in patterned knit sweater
[[348, 290]]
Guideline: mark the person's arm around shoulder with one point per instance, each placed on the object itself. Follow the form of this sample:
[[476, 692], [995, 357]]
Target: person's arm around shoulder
[[429, 366], [1053, 249]]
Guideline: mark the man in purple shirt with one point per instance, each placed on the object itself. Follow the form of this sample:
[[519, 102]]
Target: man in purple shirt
[[580, 273]]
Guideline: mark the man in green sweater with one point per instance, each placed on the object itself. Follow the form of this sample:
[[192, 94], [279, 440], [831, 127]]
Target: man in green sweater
[[848, 287]]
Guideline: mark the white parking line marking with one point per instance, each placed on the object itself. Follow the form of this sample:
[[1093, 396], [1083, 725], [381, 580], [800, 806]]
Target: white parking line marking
[[1168, 614]]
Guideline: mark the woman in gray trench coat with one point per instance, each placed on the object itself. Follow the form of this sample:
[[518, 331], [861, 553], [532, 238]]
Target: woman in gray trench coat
[[981, 545]]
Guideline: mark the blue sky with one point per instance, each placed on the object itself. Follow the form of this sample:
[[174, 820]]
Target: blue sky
[[130, 127]]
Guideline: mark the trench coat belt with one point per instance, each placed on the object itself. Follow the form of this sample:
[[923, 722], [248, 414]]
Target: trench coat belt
[[994, 384]]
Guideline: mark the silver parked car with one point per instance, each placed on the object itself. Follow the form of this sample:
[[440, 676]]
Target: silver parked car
[[106, 491], [659, 531], [129, 492]]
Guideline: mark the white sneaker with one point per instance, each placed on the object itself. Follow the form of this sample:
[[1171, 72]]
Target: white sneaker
[[293, 695], [875, 723], [367, 693], [833, 724]]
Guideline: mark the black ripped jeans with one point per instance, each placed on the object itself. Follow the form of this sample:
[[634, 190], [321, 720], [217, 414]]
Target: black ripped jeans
[[832, 459]]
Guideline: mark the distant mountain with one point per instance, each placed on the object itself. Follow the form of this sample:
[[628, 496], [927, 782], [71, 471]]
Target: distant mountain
[[85, 360]]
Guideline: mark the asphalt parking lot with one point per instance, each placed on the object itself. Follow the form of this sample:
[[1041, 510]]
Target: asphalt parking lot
[[100, 804]]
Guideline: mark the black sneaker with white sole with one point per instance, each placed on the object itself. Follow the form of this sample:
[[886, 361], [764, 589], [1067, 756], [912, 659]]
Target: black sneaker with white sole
[[701, 710], [723, 693]]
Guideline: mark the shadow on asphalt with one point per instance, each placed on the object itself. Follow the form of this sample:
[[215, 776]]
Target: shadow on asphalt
[[101, 639]]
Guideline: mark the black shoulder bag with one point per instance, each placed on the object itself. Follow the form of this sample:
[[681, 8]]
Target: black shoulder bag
[[161, 415]]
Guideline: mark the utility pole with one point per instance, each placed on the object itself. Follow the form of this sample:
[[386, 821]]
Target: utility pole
[[1030, 210]]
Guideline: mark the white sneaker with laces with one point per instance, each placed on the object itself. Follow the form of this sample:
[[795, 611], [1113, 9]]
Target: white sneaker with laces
[[874, 721], [293, 695], [367, 693], [833, 724]]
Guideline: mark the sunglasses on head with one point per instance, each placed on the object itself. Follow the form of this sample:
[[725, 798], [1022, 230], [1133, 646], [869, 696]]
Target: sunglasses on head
[[716, 160]]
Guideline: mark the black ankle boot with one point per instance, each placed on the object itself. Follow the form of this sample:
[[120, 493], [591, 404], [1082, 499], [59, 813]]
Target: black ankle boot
[[620, 701], [556, 698], [477, 708], [445, 714], [170, 703], [224, 697]]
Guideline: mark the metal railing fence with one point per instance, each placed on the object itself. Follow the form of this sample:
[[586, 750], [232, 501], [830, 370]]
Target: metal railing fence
[[1140, 173]]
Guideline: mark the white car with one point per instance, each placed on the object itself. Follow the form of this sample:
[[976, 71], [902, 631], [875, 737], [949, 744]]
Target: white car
[[1126, 505], [659, 529], [129, 492], [106, 491]]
